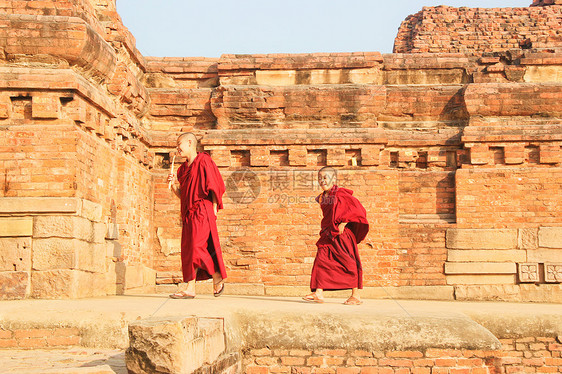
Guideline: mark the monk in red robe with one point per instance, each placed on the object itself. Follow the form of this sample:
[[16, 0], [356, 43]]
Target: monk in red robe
[[344, 224], [200, 191]]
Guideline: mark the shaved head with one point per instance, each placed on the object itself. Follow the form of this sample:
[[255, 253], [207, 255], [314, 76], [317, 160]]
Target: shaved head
[[188, 136], [189, 139], [327, 170]]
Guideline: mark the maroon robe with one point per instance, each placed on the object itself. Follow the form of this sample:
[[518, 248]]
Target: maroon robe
[[337, 265], [200, 247]]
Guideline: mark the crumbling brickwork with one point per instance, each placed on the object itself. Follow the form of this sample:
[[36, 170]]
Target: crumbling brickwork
[[476, 30], [456, 157]]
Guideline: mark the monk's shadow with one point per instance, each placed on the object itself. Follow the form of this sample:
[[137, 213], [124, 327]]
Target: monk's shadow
[[268, 298], [115, 362]]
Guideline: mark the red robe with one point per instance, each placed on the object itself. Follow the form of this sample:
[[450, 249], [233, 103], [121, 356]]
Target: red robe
[[337, 265], [200, 247]]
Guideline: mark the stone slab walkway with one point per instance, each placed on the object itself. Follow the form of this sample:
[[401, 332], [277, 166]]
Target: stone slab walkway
[[62, 361], [400, 324]]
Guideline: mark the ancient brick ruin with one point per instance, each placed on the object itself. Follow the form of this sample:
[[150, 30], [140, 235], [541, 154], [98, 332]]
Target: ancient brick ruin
[[452, 143]]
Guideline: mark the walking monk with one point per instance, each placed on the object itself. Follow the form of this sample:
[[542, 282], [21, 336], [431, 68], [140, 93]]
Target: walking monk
[[200, 192], [344, 224]]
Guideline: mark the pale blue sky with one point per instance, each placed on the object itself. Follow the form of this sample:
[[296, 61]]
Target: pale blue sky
[[209, 28]]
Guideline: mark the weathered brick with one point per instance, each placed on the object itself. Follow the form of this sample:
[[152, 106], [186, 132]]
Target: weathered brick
[[8, 343], [260, 352], [257, 370], [293, 361], [405, 354]]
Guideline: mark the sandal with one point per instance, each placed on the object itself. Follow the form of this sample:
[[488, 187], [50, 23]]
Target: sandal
[[353, 301], [219, 292], [313, 298], [182, 295]]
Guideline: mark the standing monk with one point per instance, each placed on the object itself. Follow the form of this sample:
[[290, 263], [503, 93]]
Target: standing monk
[[344, 224], [200, 192]]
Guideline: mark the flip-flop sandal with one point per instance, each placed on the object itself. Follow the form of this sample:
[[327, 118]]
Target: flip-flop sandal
[[219, 292], [312, 298], [353, 301], [182, 295]]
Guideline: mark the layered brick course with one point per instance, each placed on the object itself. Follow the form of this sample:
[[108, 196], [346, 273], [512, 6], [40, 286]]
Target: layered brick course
[[40, 338], [521, 355]]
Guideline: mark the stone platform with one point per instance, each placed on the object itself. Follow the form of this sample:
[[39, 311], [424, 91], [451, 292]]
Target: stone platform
[[254, 325]]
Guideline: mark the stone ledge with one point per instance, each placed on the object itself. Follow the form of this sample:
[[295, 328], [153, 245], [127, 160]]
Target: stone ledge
[[544, 293], [247, 289], [102, 322], [27, 205], [371, 333], [483, 279], [487, 255], [404, 292], [263, 137], [20, 206], [285, 61], [480, 268]]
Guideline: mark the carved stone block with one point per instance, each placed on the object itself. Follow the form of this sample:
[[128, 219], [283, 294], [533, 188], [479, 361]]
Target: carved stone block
[[528, 272], [553, 273]]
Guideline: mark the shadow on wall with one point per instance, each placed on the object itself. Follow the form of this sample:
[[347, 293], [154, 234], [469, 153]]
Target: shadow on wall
[[455, 110]]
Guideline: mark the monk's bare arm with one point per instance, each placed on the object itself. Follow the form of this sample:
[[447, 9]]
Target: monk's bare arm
[[341, 227], [215, 203], [173, 187], [176, 191]]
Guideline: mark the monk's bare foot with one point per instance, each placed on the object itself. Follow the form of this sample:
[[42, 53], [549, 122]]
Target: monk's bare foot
[[313, 298], [353, 301], [182, 295], [218, 288]]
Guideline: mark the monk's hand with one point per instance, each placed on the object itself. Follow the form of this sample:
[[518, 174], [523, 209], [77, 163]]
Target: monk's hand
[[171, 178], [215, 209], [341, 227]]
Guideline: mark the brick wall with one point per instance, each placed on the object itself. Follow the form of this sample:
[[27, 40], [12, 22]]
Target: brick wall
[[521, 355], [476, 30], [485, 197], [408, 146], [40, 338]]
